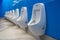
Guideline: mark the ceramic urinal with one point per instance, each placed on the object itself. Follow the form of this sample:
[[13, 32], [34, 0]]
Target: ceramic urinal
[[9, 14], [12, 15], [16, 15], [23, 19], [37, 24]]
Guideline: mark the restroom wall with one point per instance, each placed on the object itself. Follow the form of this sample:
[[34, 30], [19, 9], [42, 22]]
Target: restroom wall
[[52, 13], [0, 8], [53, 19]]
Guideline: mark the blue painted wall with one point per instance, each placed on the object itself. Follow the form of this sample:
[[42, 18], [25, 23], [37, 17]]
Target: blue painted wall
[[53, 19], [0, 8], [52, 13]]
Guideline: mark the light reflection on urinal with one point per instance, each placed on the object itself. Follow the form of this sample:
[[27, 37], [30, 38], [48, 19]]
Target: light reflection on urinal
[[22, 20], [12, 14], [37, 24]]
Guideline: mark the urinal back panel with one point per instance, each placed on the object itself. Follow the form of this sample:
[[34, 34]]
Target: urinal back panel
[[8, 13]]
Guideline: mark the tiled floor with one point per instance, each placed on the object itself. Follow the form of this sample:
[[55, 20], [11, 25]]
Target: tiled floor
[[12, 32]]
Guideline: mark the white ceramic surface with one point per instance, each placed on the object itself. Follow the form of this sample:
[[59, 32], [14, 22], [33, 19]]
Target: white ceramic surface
[[37, 23]]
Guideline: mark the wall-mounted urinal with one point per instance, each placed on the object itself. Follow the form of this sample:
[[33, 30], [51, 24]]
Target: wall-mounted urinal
[[16, 13], [12, 15], [15, 16], [9, 14], [23, 19], [37, 24]]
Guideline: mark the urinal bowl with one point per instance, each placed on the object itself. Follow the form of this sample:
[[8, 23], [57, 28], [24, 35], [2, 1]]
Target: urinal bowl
[[37, 30], [22, 24]]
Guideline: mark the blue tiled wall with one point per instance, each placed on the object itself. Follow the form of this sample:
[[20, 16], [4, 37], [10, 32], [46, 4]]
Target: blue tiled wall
[[52, 13]]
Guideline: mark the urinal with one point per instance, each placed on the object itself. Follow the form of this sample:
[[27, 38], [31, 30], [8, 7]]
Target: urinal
[[15, 15], [9, 14], [6, 14], [12, 14], [37, 24], [22, 20]]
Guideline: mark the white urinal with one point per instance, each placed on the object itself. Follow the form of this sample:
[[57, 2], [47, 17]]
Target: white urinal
[[15, 15], [12, 14], [23, 19], [37, 24], [9, 14]]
